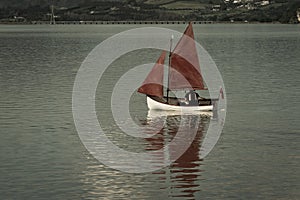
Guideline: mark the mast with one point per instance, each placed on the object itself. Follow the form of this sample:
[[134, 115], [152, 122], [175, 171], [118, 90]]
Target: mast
[[170, 54]]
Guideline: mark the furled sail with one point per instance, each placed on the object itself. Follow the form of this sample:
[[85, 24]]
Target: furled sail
[[153, 84], [185, 68]]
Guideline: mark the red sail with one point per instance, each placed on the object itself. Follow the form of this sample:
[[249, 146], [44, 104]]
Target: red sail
[[185, 69], [153, 84]]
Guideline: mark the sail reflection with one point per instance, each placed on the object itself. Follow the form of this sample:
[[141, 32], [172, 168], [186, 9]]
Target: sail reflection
[[182, 177]]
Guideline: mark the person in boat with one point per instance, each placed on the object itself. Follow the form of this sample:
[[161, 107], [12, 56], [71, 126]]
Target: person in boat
[[192, 98]]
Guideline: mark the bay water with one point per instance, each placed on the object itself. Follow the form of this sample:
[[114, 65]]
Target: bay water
[[256, 157]]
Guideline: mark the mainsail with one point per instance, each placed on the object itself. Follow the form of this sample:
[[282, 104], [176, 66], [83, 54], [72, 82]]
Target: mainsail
[[153, 84], [185, 68]]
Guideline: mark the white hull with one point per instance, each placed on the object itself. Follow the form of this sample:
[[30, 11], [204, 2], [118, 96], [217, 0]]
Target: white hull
[[155, 105], [152, 114]]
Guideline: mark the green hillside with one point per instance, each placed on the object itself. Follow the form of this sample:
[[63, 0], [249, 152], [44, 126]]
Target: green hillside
[[283, 11]]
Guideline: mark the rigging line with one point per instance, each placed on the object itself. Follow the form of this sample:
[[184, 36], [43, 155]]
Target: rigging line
[[170, 54]]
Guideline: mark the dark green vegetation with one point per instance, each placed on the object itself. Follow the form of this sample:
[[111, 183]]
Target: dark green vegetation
[[283, 11]]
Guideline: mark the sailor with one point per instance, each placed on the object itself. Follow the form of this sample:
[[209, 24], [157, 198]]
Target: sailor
[[192, 98]]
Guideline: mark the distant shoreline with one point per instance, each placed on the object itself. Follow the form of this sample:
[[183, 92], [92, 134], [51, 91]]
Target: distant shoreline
[[130, 22]]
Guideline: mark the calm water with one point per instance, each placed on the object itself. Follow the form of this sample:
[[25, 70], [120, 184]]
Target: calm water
[[257, 156]]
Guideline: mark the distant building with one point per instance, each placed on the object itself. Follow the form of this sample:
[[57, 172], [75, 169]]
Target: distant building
[[250, 6], [237, 1], [15, 19], [19, 19], [264, 3], [216, 8]]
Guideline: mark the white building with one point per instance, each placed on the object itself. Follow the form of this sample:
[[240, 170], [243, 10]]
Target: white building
[[237, 1], [264, 3]]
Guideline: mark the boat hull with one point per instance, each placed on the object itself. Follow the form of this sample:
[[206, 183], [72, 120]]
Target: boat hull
[[155, 105]]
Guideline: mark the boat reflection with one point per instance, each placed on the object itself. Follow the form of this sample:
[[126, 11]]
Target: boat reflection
[[173, 148], [182, 176]]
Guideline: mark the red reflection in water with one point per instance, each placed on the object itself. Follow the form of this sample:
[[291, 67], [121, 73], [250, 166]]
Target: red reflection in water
[[182, 177]]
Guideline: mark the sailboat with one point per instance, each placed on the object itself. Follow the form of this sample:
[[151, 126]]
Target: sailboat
[[183, 74]]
